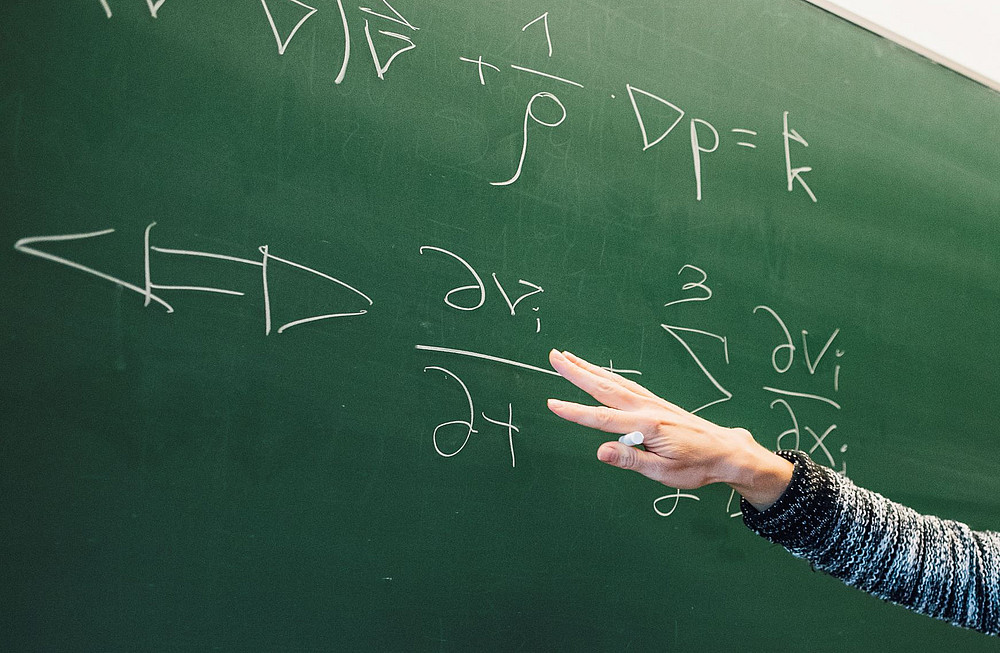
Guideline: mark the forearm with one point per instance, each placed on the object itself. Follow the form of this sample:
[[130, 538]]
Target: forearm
[[936, 567]]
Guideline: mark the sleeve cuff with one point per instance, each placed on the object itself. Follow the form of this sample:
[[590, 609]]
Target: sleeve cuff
[[804, 512]]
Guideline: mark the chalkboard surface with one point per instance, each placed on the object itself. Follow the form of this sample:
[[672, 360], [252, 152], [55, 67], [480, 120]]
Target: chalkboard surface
[[279, 281]]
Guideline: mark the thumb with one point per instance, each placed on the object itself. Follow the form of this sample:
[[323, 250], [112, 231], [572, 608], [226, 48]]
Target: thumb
[[625, 457]]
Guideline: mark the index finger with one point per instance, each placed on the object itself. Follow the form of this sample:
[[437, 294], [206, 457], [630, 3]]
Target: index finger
[[602, 418]]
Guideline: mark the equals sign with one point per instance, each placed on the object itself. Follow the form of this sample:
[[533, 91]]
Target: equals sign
[[745, 131]]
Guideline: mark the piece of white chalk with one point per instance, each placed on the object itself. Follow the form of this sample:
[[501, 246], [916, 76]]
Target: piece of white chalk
[[632, 439]]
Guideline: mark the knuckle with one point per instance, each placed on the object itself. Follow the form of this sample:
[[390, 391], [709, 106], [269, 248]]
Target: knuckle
[[627, 459], [604, 416], [605, 387]]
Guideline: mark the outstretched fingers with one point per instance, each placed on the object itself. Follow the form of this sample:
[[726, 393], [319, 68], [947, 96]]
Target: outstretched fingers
[[609, 375], [609, 391], [603, 418]]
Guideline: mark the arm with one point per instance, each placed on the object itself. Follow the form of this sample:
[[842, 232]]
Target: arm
[[933, 566], [936, 567]]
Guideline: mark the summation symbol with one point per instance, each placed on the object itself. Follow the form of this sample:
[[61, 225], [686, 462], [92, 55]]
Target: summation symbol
[[700, 292]]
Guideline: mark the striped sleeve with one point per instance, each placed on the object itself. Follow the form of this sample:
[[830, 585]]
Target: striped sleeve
[[933, 566]]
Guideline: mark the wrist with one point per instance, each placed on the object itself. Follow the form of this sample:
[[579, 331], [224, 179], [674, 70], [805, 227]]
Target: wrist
[[760, 476]]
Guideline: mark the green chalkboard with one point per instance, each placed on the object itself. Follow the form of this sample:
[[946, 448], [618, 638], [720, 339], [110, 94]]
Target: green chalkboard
[[279, 281]]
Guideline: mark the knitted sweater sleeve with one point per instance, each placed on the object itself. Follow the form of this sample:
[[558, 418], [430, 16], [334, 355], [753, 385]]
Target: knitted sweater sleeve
[[933, 566]]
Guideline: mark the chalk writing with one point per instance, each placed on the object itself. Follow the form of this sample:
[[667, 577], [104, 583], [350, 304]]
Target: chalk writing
[[677, 331], [508, 361], [703, 136], [150, 290], [469, 429], [511, 430], [488, 357], [389, 34], [283, 43], [794, 174], [468, 425], [479, 288], [283, 35], [794, 430], [545, 23], [557, 78], [677, 495], [152, 5], [529, 113], [697, 149], [480, 63], [24, 246], [646, 143], [808, 428], [789, 347], [396, 17], [793, 400], [476, 287], [693, 285], [705, 294], [748, 132]]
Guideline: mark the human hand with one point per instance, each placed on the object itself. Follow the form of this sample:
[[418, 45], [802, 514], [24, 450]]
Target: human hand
[[682, 450]]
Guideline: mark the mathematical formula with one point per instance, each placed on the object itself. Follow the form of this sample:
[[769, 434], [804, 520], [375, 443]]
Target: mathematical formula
[[819, 357], [389, 34], [393, 35]]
